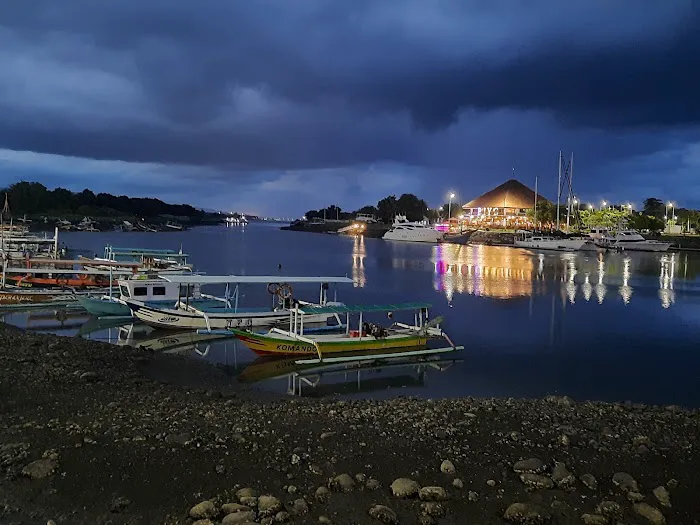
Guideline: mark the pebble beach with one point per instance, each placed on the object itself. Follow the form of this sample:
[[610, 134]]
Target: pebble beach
[[97, 434]]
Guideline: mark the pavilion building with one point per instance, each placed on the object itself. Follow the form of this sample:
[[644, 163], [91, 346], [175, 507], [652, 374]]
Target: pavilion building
[[505, 206]]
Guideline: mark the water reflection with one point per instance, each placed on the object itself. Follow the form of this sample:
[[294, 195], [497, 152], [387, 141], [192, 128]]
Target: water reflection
[[483, 271], [668, 272], [358, 262], [506, 273]]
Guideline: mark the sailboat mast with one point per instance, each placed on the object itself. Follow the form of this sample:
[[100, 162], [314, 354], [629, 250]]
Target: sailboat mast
[[558, 190], [570, 198], [535, 217]]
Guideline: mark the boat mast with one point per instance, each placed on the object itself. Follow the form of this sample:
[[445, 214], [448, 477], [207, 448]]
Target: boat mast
[[535, 216], [558, 190], [569, 196]]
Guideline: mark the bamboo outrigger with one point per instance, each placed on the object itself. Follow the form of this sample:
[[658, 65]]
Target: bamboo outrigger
[[368, 336]]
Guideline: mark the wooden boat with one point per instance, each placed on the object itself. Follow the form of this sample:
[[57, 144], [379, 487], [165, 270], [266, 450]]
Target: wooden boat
[[13, 297], [368, 336], [194, 310], [47, 273]]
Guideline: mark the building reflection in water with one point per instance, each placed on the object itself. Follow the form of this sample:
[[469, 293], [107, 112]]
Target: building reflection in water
[[505, 273], [668, 272], [484, 271], [358, 262]]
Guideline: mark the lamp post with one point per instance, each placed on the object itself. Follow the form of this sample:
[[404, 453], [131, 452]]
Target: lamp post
[[449, 206], [604, 205]]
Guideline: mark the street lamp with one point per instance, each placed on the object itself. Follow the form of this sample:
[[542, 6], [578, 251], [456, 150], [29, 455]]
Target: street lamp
[[449, 206], [604, 205]]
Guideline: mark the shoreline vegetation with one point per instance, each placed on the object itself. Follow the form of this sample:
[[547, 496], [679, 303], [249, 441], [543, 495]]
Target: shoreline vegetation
[[32, 201], [94, 434]]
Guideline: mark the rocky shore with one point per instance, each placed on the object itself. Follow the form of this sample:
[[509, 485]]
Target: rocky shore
[[96, 434]]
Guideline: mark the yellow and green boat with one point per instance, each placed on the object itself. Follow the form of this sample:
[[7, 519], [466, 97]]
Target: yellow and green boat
[[368, 336]]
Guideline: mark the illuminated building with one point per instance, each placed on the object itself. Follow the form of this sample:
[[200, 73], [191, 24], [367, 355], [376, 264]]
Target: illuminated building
[[505, 206]]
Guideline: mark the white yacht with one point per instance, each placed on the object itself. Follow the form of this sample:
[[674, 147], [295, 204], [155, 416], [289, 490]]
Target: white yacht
[[525, 239], [630, 240], [404, 230]]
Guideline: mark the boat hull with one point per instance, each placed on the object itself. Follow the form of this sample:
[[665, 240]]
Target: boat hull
[[431, 237], [557, 245], [274, 344], [104, 307], [637, 246], [176, 319], [31, 299]]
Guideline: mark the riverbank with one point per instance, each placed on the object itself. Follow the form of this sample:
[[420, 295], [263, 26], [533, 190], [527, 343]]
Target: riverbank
[[97, 434]]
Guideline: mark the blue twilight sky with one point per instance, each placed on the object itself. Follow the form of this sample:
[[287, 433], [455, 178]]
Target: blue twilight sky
[[278, 106]]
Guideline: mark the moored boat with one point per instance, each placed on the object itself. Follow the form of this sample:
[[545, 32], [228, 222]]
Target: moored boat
[[404, 230], [631, 240], [194, 310], [368, 337], [525, 239]]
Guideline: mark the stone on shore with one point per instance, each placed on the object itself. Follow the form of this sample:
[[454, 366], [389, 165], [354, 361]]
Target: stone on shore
[[40, 469], [404, 488], [562, 477], [383, 514], [433, 509], [662, 495], [447, 467], [269, 505], [230, 508], [535, 481], [652, 514], [322, 494], [432, 494], [458, 483], [246, 493], [203, 510], [594, 519], [625, 481], [530, 466], [372, 484], [589, 481], [298, 507], [238, 518], [526, 514], [342, 483], [610, 509]]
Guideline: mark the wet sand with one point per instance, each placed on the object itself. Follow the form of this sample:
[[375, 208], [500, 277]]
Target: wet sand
[[96, 434]]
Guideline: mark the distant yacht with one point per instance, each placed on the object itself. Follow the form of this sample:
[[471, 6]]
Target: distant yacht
[[525, 239], [404, 230]]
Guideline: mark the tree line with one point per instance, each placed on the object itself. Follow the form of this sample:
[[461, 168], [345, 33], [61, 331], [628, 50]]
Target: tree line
[[414, 208], [34, 199], [652, 217]]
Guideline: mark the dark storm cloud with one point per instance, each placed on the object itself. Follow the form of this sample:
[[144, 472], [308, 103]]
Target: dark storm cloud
[[460, 90]]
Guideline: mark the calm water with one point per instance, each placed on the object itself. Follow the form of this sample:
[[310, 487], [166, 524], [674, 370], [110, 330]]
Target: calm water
[[591, 326]]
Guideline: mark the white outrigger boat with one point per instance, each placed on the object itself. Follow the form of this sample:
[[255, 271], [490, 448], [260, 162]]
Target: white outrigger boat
[[369, 337], [194, 310]]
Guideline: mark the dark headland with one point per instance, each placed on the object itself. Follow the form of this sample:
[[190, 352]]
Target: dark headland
[[96, 434]]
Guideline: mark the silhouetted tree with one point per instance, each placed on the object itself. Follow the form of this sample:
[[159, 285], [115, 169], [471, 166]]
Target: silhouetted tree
[[654, 207], [412, 207], [386, 208]]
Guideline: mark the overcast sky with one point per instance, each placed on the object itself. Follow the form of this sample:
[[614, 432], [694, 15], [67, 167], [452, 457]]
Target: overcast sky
[[277, 106]]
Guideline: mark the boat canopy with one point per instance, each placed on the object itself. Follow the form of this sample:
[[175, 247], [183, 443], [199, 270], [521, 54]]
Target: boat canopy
[[250, 279], [357, 308], [146, 252]]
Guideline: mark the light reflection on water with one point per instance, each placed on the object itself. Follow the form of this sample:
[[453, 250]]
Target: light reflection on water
[[507, 273]]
